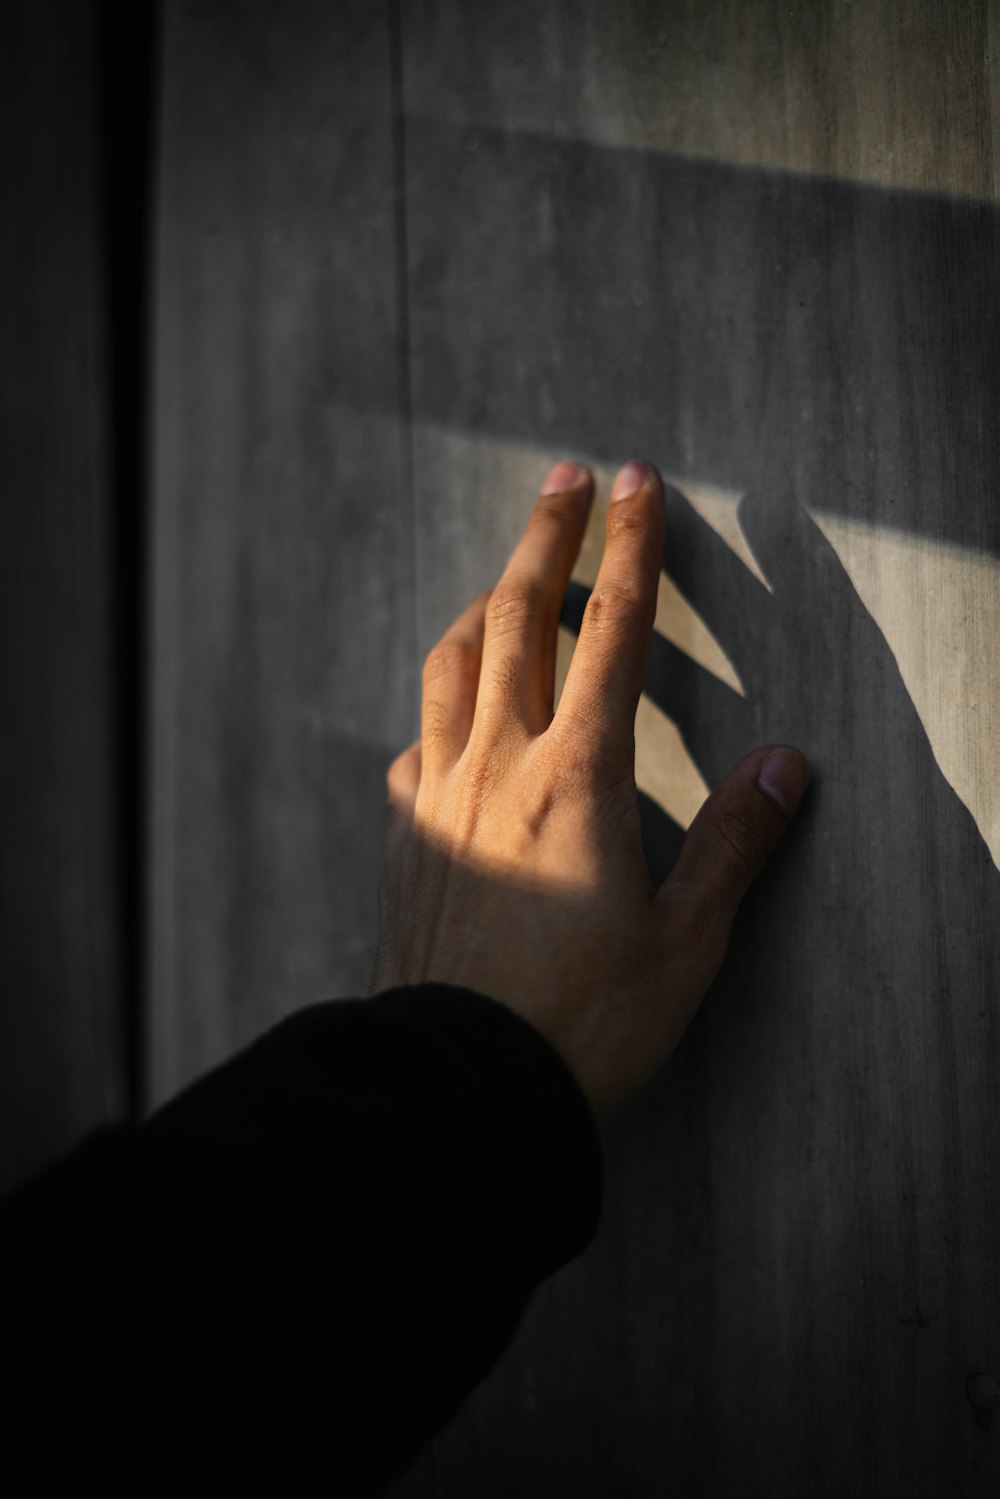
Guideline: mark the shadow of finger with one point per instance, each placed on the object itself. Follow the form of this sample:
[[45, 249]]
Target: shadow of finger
[[732, 602]]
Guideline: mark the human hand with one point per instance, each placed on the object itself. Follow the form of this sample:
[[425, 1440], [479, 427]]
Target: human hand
[[513, 862]]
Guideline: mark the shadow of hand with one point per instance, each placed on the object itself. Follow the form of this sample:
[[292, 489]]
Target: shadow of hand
[[833, 1106]]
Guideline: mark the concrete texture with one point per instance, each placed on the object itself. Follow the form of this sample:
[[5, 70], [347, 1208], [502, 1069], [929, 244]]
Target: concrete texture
[[410, 257]]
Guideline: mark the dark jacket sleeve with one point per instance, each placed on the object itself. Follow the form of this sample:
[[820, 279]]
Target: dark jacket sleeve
[[303, 1264]]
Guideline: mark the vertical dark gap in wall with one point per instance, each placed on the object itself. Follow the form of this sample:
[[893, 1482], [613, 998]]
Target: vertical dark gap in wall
[[128, 39], [404, 385], [426, 1463]]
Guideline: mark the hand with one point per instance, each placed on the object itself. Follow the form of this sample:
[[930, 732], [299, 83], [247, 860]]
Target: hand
[[514, 863]]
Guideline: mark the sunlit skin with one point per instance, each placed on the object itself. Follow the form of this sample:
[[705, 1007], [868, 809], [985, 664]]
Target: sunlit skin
[[513, 862]]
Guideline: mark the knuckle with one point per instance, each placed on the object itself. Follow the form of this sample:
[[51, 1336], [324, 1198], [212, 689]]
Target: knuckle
[[626, 520], [552, 512], [449, 657], [436, 722], [479, 773], [740, 842], [698, 926], [704, 932], [590, 770], [505, 675], [567, 765], [614, 794], [511, 604], [614, 603]]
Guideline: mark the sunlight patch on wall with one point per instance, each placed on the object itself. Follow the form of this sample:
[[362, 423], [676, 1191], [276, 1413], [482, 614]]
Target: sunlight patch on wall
[[937, 605]]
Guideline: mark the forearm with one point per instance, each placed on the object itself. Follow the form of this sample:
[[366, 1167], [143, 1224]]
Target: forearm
[[319, 1249]]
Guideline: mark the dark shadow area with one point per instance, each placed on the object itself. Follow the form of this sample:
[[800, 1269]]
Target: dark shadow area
[[127, 51], [76, 182], [797, 1273], [71, 373], [825, 1141], [795, 1287], [604, 301]]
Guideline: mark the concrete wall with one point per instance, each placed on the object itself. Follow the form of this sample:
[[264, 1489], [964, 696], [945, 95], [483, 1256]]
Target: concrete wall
[[409, 256]]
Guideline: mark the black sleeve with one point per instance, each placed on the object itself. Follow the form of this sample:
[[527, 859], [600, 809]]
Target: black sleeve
[[302, 1265]]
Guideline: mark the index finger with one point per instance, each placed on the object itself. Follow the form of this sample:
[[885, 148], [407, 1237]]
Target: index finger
[[603, 685]]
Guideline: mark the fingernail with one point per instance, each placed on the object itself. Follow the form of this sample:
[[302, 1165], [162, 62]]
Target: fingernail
[[629, 480], [564, 476], [785, 775]]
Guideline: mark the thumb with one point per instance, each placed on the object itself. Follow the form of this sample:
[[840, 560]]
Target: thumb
[[734, 834]]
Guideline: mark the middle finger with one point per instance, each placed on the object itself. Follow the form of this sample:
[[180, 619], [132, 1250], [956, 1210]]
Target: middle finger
[[517, 679], [604, 682]]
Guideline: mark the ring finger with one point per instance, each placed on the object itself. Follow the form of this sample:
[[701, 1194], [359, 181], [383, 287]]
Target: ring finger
[[450, 683]]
